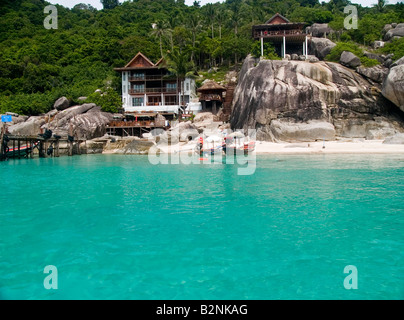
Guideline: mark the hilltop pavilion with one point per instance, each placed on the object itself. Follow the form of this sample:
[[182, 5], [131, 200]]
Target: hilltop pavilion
[[288, 37]]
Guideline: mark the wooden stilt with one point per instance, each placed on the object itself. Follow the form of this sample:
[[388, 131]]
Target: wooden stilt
[[70, 150], [57, 149], [70, 143], [2, 155], [78, 146], [41, 149]]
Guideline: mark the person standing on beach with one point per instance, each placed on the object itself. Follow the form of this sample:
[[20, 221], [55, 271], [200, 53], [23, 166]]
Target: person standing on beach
[[200, 146]]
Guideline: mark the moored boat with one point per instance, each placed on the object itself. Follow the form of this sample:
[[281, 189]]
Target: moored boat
[[24, 151]]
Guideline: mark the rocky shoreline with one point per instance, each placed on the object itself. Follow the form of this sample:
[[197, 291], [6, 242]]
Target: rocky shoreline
[[303, 101], [294, 100]]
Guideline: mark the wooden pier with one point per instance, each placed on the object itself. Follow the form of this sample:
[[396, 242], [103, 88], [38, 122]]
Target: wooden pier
[[18, 147]]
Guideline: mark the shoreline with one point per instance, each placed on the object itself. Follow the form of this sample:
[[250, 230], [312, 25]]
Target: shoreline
[[331, 147]]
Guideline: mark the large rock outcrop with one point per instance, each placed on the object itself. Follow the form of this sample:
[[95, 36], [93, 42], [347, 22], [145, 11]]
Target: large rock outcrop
[[393, 86], [396, 139], [87, 121], [377, 73], [301, 101], [348, 59], [319, 30], [392, 32], [320, 47], [30, 127], [128, 145], [61, 104]]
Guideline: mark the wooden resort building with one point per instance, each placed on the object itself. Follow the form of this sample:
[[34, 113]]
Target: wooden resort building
[[149, 87], [288, 37]]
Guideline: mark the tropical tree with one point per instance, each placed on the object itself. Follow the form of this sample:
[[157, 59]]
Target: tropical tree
[[235, 15], [194, 25], [109, 100], [210, 12], [221, 16], [109, 4], [159, 31], [177, 63], [380, 6]]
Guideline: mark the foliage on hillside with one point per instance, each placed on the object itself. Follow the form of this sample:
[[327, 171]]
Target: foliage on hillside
[[38, 65], [335, 53]]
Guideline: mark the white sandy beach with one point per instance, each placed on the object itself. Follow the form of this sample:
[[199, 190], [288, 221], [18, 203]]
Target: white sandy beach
[[330, 147]]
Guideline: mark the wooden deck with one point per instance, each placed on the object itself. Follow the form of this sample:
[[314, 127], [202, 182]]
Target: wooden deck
[[133, 128], [46, 147]]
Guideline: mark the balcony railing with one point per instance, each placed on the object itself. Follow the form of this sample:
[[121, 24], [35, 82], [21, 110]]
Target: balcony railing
[[267, 33], [167, 103], [152, 90], [145, 123], [147, 78]]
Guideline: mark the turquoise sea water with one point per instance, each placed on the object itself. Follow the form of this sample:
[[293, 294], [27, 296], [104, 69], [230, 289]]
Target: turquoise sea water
[[118, 227]]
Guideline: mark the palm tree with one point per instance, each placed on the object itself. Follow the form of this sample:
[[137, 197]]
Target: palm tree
[[235, 16], [210, 15], [235, 21], [109, 4], [160, 30], [194, 25], [178, 64], [380, 6], [221, 16]]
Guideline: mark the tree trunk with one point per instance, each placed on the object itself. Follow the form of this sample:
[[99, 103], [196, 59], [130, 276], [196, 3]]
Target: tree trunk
[[193, 47], [161, 48], [182, 90]]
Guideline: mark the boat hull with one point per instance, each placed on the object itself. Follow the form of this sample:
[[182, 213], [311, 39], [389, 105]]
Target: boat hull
[[23, 152]]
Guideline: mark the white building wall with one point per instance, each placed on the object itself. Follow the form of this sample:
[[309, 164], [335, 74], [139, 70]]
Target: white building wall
[[189, 91], [126, 98]]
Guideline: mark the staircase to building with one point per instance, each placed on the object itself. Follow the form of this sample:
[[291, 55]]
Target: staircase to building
[[228, 100]]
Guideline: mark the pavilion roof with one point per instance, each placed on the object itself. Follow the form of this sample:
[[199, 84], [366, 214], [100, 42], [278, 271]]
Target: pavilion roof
[[211, 85]]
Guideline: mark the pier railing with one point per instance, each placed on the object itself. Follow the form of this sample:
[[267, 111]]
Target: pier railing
[[143, 123], [272, 33]]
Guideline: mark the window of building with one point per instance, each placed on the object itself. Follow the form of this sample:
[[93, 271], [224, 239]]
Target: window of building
[[171, 86], [138, 88], [124, 76], [137, 102], [124, 89], [154, 101], [138, 76], [170, 100]]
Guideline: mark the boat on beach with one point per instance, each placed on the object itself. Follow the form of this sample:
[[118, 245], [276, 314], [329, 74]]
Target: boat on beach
[[227, 149], [234, 149]]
